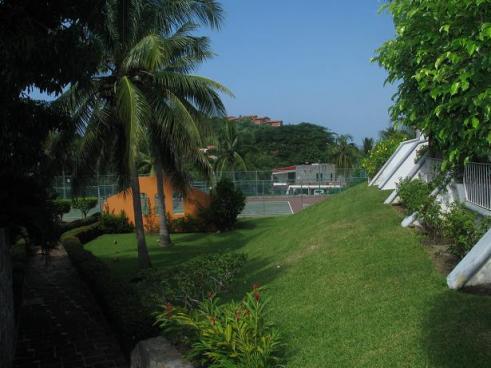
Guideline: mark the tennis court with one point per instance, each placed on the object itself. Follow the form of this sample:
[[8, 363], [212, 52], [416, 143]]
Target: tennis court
[[266, 208], [278, 205]]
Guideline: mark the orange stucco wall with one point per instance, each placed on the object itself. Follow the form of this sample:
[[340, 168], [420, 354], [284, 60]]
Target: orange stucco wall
[[193, 200]]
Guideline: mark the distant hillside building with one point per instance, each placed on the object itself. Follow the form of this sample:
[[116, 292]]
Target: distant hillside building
[[307, 179], [257, 120]]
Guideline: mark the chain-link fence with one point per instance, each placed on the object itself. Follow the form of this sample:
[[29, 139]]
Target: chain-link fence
[[268, 193]]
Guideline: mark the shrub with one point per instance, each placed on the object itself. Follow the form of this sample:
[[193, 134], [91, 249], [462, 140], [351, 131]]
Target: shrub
[[431, 216], [380, 154], [188, 283], [60, 207], [84, 233], [227, 202], [463, 229], [151, 220], [413, 194], [188, 224], [131, 320], [84, 204], [115, 224], [89, 220], [228, 335]]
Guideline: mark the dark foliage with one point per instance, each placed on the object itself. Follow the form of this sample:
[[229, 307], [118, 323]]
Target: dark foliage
[[26, 169], [227, 202], [84, 233], [188, 224], [89, 220], [60, 207], [84, 204], [121, 303], [48, 44], [44, 44], [189, 283], [130, 307], [116, 224]]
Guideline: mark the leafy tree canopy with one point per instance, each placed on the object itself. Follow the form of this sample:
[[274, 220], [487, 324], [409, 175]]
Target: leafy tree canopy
[[264, 147], [441, 58], [48, 44]]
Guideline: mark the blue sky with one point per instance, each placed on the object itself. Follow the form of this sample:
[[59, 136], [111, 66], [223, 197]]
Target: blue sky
[[304, 61]]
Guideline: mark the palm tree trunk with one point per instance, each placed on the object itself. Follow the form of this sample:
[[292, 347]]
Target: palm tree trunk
[[143, 256], [164, 235]]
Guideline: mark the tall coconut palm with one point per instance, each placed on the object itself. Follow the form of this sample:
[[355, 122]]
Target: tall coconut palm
[[228, 157], [177, 144], [344, 152], [174, 133], [116, 108]]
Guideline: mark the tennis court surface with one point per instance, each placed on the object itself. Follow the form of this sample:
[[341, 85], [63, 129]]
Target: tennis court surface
[[278, 205]]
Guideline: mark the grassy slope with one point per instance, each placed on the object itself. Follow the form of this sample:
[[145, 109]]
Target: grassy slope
[[348, 286]]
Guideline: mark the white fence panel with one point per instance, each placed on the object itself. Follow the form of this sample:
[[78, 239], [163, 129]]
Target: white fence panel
[[477, 184]]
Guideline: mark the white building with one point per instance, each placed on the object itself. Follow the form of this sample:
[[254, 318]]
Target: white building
[[312, 179]]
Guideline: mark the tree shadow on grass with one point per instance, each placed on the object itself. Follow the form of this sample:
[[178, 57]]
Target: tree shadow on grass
[[186, 247], [458, 331]]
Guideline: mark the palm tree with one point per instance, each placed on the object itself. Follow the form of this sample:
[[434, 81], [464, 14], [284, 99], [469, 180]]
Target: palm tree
[[144, 161], [174, 134], [133, 88], [228, 157], [367, 145], [344, 152]]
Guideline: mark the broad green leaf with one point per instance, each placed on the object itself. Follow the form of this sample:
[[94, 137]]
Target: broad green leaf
[[471, 48], [445, 28], [454, 88], [475, 122]]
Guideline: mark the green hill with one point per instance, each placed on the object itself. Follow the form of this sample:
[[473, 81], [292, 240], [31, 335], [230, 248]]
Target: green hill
[[348, 286]]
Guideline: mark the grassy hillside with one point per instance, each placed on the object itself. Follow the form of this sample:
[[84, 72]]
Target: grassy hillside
[[348, 286]]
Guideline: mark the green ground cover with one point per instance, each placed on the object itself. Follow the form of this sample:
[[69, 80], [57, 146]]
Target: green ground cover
[[348, 286]]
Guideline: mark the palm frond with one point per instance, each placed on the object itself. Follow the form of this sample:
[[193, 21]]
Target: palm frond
[[167, 15], [201, 92], [133, 112]]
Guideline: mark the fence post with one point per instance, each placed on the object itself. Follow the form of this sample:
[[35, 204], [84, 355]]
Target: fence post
[[99, 192], [7, 323]]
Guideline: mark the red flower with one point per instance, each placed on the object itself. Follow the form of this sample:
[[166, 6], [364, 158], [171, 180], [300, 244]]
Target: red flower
[[257, 296]]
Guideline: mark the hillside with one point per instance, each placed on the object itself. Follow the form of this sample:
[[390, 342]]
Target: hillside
[[348, 286]]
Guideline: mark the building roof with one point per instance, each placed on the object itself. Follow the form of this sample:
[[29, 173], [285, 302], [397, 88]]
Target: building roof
[[284, 169]]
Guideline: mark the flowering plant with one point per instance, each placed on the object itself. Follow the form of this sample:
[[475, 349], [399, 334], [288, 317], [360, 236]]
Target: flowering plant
[[228, 335]]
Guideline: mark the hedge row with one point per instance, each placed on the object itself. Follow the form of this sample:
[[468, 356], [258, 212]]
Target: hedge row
[[120, 302], [89, 220]]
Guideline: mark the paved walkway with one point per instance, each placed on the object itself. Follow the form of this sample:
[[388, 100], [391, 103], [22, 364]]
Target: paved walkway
[[61, 324]]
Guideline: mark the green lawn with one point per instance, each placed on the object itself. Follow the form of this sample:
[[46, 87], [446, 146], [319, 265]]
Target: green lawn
[[348, 286]]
